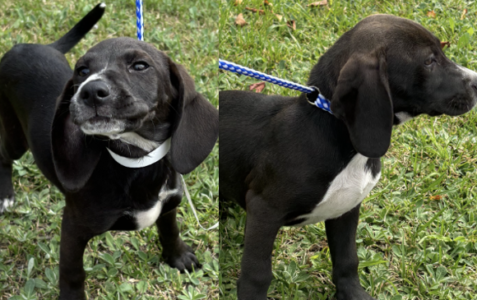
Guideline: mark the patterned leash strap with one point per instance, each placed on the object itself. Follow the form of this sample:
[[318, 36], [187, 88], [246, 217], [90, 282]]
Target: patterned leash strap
[[316, 97], [140, 21]]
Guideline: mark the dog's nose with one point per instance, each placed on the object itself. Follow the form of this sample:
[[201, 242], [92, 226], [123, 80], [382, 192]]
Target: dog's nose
[[95, 93]]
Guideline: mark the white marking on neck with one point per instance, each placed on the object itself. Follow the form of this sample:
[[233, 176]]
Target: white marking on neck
[[403, 116], [148, 217], [347, 190], [144, 161]]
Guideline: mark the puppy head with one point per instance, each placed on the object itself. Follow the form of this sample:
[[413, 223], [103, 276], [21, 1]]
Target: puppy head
[[422, 79], [390, 70], [122, 87]]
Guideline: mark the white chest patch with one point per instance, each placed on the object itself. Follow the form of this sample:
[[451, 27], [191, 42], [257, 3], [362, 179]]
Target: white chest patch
[[346, 191], [148, 217]]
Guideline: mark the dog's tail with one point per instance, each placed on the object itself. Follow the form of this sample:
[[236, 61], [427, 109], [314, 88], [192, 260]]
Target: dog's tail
[[72, 37]]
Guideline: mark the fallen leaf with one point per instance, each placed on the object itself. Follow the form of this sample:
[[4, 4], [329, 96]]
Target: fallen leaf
[[464, 12], [240, 21], [292, 24], [267, 3], [443, 44], [258, 87], [436, 197], [238, 2], [318, 3], [431, 14], [260, 11], [279, 17]]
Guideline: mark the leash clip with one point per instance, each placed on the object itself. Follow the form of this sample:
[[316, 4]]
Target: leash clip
[[315, 98]]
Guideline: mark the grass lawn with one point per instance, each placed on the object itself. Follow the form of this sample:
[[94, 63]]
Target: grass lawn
[[417, 237], [119, 265]]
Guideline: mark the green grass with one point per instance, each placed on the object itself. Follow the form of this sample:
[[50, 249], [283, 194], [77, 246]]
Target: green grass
[[119, 265], [410, 244]]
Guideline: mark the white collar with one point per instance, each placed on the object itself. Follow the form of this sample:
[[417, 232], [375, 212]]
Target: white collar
[[144, 161]]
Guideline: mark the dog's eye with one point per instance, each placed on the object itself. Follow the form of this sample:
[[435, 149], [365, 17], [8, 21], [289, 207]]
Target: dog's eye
[[430, 61], [140, 66], [83, 71]]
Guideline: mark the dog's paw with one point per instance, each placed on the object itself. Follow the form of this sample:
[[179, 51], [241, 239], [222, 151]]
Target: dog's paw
[[182, 258], [6, 202]]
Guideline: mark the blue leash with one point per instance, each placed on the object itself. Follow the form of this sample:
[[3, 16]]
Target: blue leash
[[140, 21], [320, 102]]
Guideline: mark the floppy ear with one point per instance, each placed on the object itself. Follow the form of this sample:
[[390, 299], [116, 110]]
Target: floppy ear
[[75, 155], [362, 99], [196, 127]]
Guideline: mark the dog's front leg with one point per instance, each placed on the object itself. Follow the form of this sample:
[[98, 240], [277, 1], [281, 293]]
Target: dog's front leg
[[175, 252], [341, 233], [262, 226], [73, 242]]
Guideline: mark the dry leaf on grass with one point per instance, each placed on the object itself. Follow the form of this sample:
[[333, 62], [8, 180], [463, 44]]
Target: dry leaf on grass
[[240, 21], [318, 3], [464, 12], [431, 14], [260, 11], [436, 197], [257, 87], [237, 2], [292, 24], [279, 17], [443, 44], [267, 3]]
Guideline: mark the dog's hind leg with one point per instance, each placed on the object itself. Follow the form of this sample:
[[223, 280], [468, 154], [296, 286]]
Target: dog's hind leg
[[13, 145], [341, 233], [175, 252], [261, 229]]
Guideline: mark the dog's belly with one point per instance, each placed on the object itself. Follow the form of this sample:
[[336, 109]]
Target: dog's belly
[[346, 191]]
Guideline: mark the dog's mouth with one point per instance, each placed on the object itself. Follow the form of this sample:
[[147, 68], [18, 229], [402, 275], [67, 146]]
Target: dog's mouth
[[457, 106], [93, 123], [107, 119], [103, 126]]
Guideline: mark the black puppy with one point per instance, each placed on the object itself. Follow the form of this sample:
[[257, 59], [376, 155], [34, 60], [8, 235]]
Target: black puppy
[[289, 163], [127, 122]]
